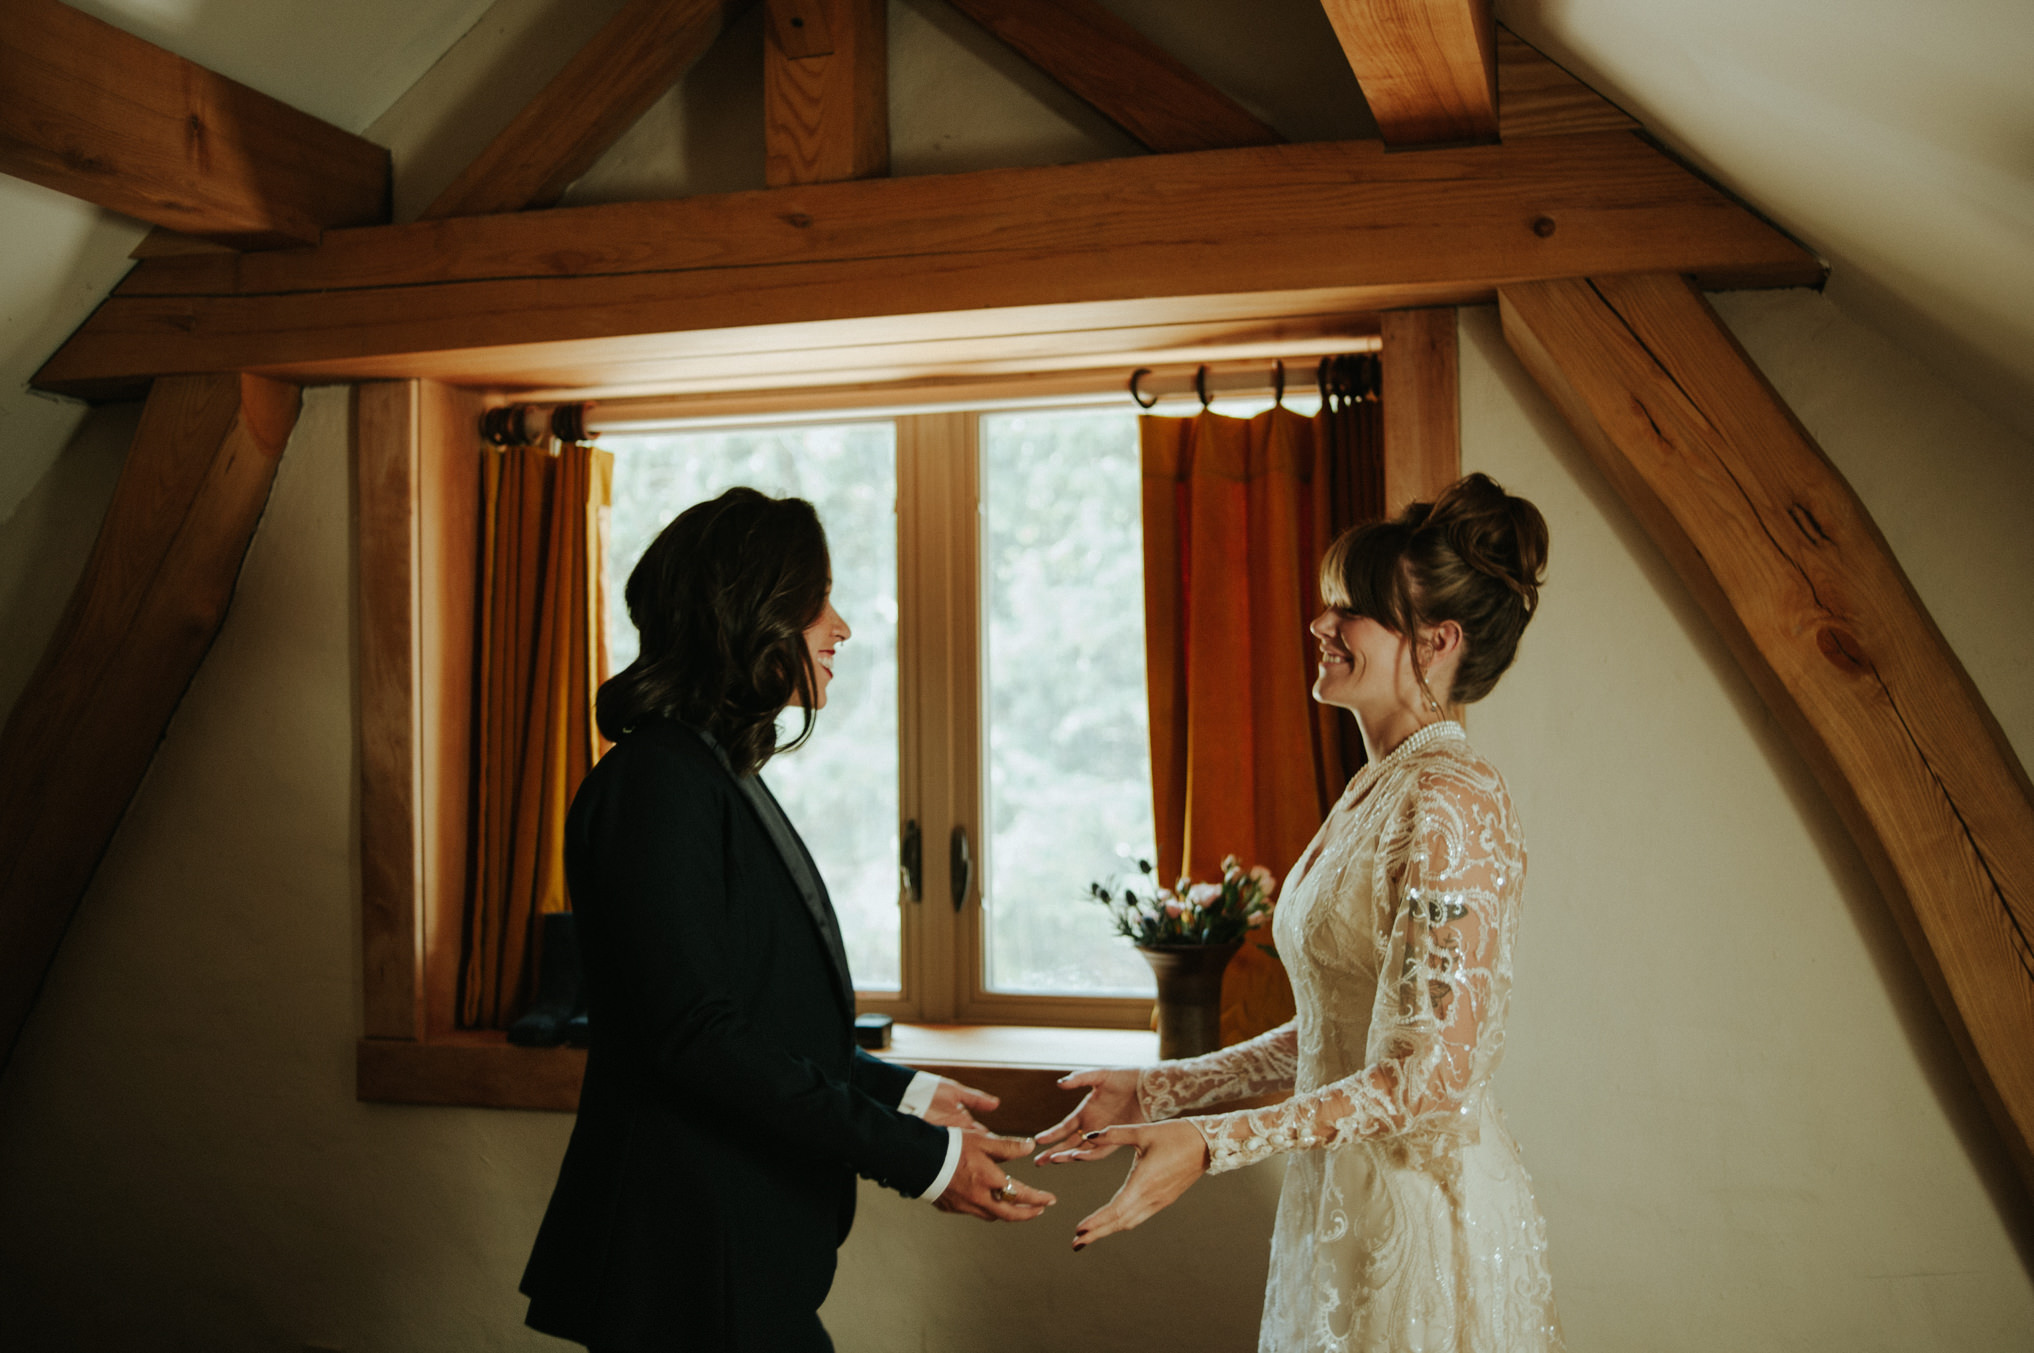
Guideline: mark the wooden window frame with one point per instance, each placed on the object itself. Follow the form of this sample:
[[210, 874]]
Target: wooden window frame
[[940, 754], [416, 538]]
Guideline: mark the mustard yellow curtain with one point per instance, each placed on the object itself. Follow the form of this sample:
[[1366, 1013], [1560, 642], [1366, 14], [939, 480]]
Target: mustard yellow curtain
[[541, 655], [1236, 515]]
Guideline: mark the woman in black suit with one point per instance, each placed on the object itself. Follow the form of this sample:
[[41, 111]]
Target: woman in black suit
[[726, 1110]]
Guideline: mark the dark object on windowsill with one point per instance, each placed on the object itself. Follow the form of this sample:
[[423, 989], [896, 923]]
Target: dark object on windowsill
[[1189, 995], [560, 1004], [873, 1031]]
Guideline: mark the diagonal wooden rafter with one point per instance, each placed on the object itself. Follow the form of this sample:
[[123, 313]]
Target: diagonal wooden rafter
[[1119, 72], [1792, 570], [826, 91], [153, 596], [100, 114], [641, 52], [1536, 97], [1291, 228], [1428, 68]]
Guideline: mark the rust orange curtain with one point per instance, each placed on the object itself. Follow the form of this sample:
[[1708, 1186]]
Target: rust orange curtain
[[1236, 515], [541, 655]]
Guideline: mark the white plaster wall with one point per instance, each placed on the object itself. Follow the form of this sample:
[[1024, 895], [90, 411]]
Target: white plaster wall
[[58, 259], [45, 543]]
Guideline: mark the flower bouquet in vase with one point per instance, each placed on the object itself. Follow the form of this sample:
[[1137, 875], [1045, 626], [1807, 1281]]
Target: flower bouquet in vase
[[1188, 933]]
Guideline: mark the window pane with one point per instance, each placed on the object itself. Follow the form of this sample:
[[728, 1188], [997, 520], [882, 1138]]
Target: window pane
[[1069, 755], [841, 787]]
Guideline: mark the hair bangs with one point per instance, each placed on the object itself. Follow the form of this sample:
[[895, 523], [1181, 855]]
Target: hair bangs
[[1363, 573]]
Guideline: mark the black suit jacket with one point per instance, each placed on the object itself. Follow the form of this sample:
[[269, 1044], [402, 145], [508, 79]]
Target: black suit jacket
[[726, 1110]]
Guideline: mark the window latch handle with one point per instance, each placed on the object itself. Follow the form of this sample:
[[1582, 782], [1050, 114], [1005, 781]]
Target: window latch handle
[[960, 866], [911, 855]]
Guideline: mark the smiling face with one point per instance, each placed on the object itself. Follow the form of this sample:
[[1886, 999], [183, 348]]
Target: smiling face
[[1368, 670], [823, 638], [1363, 665]]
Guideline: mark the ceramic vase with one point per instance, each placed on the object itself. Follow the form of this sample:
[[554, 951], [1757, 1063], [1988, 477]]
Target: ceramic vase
[[1189, 995]]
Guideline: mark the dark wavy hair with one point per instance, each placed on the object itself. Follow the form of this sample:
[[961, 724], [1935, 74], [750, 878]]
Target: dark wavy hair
[[722, 599], [1476, 555]]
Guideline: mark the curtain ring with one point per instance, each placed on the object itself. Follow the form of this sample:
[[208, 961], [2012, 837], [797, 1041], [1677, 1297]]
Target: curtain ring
[[1136, 395], [508, 425], [1201, 385], [568, 422], [1278, 384]]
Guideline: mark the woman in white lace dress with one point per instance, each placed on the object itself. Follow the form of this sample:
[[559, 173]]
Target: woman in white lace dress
[[1407, 1222]]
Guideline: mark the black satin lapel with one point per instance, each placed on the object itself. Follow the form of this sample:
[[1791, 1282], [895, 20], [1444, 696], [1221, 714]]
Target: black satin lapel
[[798, 864], [805, 873]]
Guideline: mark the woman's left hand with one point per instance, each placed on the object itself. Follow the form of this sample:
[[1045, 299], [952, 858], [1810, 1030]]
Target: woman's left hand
[[1170, 1157]]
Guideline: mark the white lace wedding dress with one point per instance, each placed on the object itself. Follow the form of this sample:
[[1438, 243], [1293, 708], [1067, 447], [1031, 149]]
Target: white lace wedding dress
[[1407, 1222]]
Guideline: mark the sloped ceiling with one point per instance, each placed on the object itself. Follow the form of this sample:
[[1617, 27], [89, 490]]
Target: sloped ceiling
[[1896, 138]]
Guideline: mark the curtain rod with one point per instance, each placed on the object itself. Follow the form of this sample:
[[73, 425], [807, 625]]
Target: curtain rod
[[1208, 380], [525, 424]]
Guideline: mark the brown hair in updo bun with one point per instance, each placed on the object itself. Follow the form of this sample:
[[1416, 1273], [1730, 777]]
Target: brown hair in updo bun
[[1476, 555]]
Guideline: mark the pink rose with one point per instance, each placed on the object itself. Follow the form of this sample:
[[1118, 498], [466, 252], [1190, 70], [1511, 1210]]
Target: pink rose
[[1263, 879], [1174, 907], [1259, 919], [1201, 894]]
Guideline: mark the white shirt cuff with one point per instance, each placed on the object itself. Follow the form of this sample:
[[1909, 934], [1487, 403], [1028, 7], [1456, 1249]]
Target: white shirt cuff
[[918, 1095], [945, 1175]]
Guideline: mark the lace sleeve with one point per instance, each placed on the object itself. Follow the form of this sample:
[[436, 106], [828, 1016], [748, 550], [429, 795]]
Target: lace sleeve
[[1438, 1022], [1259, 1066]]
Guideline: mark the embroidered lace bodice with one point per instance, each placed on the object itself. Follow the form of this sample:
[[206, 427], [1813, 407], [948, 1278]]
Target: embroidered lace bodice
[[1404, 1201]]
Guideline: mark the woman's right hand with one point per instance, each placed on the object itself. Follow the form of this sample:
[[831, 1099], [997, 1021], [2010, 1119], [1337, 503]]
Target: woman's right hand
[[1111, 1102]]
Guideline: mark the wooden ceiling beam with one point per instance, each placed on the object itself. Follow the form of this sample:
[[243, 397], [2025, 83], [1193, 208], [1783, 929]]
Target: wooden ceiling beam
[[1076, 345], [1422, 405], [152, 598], [1536, 97], [1287, 226], [1428, 68], [1121, 74], [1792, 570], [826, 91], [642, 51], [98, 113]]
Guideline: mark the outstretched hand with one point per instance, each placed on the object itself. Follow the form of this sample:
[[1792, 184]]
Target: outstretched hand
[[955, 1105], [1111, 1100], [982, 1186], [1170, 1157]]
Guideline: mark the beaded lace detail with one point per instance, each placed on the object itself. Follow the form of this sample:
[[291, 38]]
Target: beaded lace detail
[[1397, 929]]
